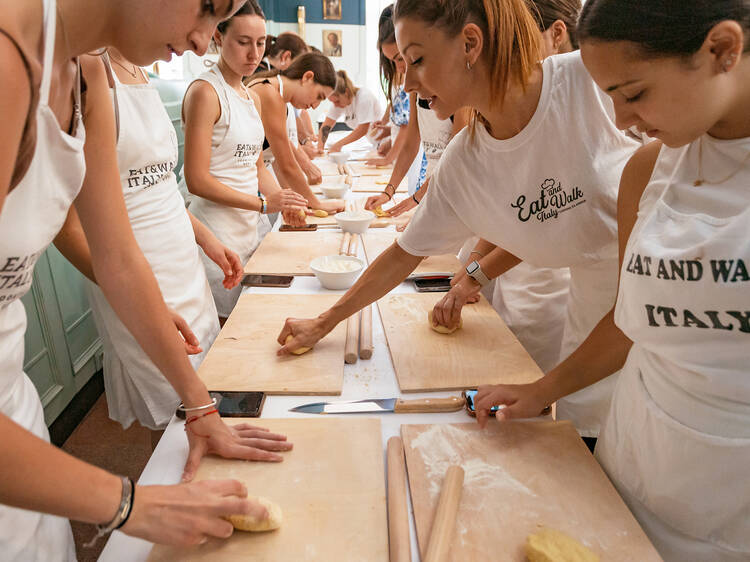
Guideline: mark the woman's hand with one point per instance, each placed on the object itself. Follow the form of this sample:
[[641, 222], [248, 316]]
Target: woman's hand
[[384, 147], [192, 345], [516, 401], [227, 260], [447, 311], [375, 201], [382, 161], [337, 147], [209, 435], [313, 173], [285, 200], [457, 277], [400, 208], [294, 218], [189, 514], [304, 332], [331, 206]]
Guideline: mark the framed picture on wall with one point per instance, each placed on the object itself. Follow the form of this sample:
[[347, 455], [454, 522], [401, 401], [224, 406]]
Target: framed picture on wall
[[332, 10], [332, 42]]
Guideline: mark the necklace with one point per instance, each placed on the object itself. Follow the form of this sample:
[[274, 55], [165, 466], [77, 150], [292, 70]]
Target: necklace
[[700, 180], [133, 73]]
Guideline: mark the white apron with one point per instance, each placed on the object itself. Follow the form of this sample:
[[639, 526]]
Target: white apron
[[236, 142], [32, 215], [146, 156], [677, 440]]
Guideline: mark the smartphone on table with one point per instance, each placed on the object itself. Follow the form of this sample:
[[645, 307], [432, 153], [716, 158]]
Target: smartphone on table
[[232, 404], [433, 284], [469, 395], [253, 280]]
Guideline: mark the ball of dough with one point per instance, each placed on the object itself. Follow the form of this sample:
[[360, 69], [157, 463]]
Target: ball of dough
[[250, 523], [379, 212], [320, 213], [550, 545], [443, 329], [299, 351]]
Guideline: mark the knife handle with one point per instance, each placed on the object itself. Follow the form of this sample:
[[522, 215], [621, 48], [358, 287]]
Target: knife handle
[[428, 405]]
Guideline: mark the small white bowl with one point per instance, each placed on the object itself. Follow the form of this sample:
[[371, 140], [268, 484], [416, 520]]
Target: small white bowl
[[334, 190], [356, 222], [339, 158], [325, 267]]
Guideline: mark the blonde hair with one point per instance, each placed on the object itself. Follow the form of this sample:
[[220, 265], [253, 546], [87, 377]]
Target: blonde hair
[[344, 85], [513, 41]]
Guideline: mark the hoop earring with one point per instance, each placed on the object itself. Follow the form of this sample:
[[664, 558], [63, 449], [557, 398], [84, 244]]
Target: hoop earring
[[468, 65]]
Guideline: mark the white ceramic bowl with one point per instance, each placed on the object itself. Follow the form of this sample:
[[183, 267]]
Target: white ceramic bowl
[[326, 269], [339, 158], [356, 222], [334, 190]]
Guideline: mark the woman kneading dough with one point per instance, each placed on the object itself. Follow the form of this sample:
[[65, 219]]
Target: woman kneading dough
[[509, 178], [223, 144], [304, 84]]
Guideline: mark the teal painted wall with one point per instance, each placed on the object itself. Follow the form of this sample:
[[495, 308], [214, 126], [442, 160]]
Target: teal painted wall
[[285, 11]]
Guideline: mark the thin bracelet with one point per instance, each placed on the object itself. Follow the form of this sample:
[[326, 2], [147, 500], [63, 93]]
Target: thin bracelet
[[394, 190], [414, 197], [388, 194], [122, 514], [199, 416], [182, 407], [480, 254], [262, 205]]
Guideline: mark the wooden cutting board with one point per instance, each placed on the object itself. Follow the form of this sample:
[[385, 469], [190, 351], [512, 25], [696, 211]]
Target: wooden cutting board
[[375, 243], [243, 357], [326, 167], [290, 253], [484, 351], [360, 167], [376, 183], [519, 476], [330, 488]]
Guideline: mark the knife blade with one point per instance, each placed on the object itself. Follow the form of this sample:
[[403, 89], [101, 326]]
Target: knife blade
[[384, 405]]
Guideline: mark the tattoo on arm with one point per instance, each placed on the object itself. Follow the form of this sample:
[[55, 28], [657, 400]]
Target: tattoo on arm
[[324, 132]]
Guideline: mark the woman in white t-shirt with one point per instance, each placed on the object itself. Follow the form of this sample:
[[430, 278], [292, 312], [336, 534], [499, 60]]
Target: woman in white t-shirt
[[676, 442], [536, 174], [359, 107]]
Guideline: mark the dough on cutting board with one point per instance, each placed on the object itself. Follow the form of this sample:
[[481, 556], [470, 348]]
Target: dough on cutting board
[[298, 351], [551, 545], [250, 523], [320, 213], [442, 329], [379, 212]]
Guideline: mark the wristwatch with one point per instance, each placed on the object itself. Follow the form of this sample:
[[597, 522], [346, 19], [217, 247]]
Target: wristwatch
[[474, 270]]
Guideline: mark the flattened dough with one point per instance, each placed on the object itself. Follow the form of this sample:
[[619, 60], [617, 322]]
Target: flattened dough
[[551, 545], [320, 213], [249, 523], [442, 329], [298, 351]]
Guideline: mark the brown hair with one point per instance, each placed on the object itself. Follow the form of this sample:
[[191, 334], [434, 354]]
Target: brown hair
[[320, 65], [287, 41], [249, 8], [344, 85], [513, 42], [547, 12]]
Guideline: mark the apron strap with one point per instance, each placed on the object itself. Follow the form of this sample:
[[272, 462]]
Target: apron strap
[[50, 22], [112, 77]]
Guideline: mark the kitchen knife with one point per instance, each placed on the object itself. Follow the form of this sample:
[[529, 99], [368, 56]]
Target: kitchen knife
[[385, 405]]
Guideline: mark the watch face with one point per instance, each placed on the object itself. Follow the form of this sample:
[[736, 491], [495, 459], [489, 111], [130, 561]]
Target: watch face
[[472, 267]]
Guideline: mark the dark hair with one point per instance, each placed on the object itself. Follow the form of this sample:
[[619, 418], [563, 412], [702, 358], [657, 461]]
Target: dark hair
[[320, 65], [659, 27], [249, 8], [547, 12], [287, 41], [386, 34], [513, 42]]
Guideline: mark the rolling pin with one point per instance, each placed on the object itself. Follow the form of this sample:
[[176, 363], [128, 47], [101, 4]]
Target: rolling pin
[[352, 335], [345, 241], [444, 524], [398, 515], [353, 245], [365, 332]]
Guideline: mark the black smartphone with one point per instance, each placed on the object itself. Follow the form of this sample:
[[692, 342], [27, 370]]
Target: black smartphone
[[232, 404], [433, 284], [469, 397], [253, 280], [305, 228]]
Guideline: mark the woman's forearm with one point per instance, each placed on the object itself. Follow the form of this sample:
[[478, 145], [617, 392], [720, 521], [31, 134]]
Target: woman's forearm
[[206, 186], [497, 261], [37, 476], [355, 135], [291, 175], [385, 273], [71, 242]]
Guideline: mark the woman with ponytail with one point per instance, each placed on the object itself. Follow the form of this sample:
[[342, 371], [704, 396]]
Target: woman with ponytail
[[535, 173], [359, 107]]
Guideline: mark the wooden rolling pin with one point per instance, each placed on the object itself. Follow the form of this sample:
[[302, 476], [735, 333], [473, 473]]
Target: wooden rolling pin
[[365, 332], [345, 241], [352, 335], [353, 245], [444, 524], [398, 514]]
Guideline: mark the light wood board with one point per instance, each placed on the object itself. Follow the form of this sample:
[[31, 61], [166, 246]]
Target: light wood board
[[326, 167], [359, 167], [290, 253], [375, 243], [243, 357], [520, 476], [330, 488], [377, 183], [484, 351]]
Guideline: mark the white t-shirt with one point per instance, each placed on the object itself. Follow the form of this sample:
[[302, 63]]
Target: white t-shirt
[[365, 108], [548, 195]]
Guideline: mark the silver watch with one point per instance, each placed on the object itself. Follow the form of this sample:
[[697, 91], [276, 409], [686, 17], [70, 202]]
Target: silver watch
[[474, 270]]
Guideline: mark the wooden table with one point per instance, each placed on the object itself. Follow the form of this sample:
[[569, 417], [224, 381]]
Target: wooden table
[[290, 253]]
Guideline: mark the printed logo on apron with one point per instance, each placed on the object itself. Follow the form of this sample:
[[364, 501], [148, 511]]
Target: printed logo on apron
[[17, 273], [247, 154], [553, 200], [143, 178]]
